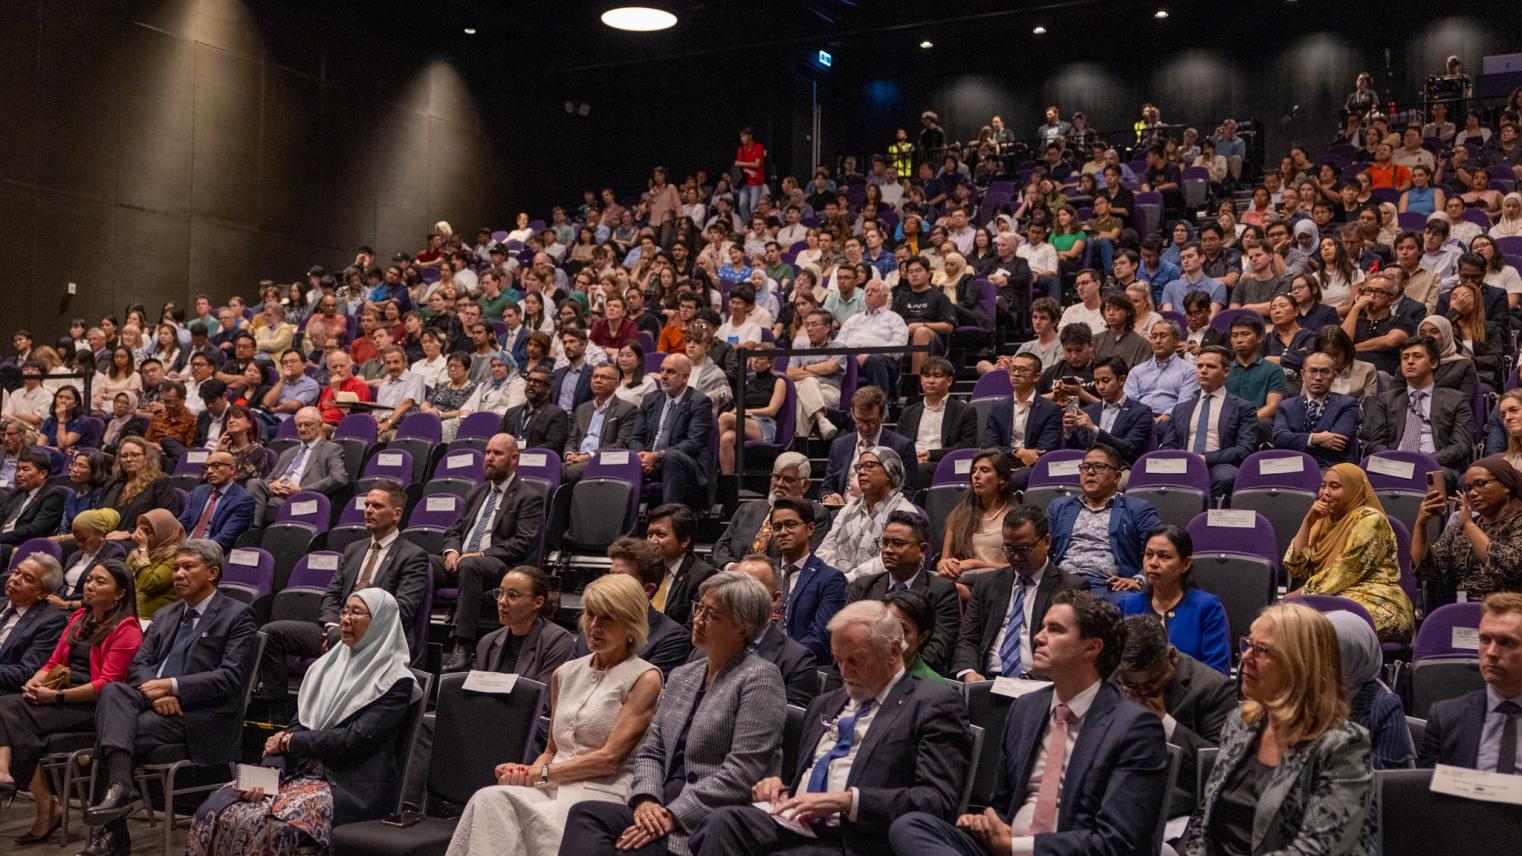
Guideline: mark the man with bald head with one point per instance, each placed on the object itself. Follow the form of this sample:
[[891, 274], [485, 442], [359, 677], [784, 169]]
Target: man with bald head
[[671, 433], [315, 463], [341, 382], [498, 529], [220, 509]]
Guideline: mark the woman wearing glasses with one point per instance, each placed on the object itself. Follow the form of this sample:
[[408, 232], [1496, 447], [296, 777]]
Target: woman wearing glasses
[[1292, 775], [1480, 551], [1195, 620], [851, 546]]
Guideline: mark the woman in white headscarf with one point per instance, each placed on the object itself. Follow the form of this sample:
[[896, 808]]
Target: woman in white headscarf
[[1509, 224], [1371, 703], [1455, 370], [338, 757]]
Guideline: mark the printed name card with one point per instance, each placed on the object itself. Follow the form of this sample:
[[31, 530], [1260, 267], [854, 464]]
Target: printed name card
[[495, 683], [197, 456], [1466, 638], [455, 462], [1168, 465], [1476, 784], [359, 503], [1016, 687], [441, 503], [303, 508], [243, 556], [1063, 468], [615, 457], [532, 459], [962, 467], [322, 561], [1279, 466], [1393, 469], [389, 459], [1231, 518]]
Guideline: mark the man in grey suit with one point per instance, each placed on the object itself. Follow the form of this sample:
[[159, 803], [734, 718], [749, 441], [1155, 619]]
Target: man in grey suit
[[1192, 699], [1423, 417], [605, 422], [915, 748], [905, 541], [796, 663], [314, 464], [498, 528], [750, 531], [384, 560]]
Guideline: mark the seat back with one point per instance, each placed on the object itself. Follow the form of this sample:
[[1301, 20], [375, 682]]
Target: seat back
[[541, 465], [192, 463], [436, 511], [406, 736], [1448, 631], [988, 711], [1176, 483], [286, 543], [992, 385], [1412, 817], [418, 449], [1175, 762], [1281, 485], [1332, 603], [34, 545], [469, 464], [1223, 320], [465, 755], [787, 420], [1055, 474], [1408, 583], [1244, 585], [594, 526], [954, 468], [308, 507], [1204, 762], [621, 465], [1400, 479], [792, 735], [387, 463], [481, 426], [974, 758], [421, 426]]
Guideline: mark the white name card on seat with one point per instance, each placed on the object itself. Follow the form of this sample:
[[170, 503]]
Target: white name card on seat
[[1231, 518], [615, 457], [322, 561], [1279, 466], [441, 503], [243, 556], [359, 502], [454, 462], [532, 459], [389, 459], [304, 507], [962, 467], [1476, 784], [1466, 638], [1016, 687], [1167, 465], [1063, 468], [197, 456], [1393, 469], [489, 682]]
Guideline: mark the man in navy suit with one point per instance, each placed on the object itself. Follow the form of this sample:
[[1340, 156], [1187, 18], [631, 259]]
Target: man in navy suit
[[1025, 425], [33, 508], [1478, 730], [868, 406], [1214, 423], [671, 433], [1111, 752], [188, 678], [812, 591], [669, 644], [882, 745], [1121, 423], [29, 625], [572, 384], [220, 509], [1319, 422]]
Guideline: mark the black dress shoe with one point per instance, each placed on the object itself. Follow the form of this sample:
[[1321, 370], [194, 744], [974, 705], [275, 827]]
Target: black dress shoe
[[119, 801], [459, 659], [108, 841]]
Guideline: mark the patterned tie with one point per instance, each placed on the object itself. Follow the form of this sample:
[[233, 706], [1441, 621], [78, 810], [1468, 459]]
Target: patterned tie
[[1009, 650], [1044, 819], [763, 536], [1411, 436], [205, 519], [819, 778], [1506, 762], [369, 570], [1314, 409], [473, 543], [1202, 424], [295, 467]]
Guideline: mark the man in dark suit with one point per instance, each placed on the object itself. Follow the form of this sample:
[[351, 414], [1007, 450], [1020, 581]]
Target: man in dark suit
[[498, 528], [750, 529], [212, 419], [914, 752], [1214, 423], [1478, 730], [906, 540], [1113, 772], [1124, 424], [537, 423], [1025, 425], [29, 625], [33, 509], [673, 528], [812, 591], [867, 410], [671, 433], [946, 423], [797, 664], [605, 422], [313, 464], [1439, 420], [220, 509], [999, 623], [185, 686], [1319, 422], [669, 644], [1191, 699], [571, 385], [383, 560]]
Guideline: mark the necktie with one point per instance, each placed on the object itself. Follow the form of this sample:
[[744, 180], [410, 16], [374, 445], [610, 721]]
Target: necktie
[[1411, 436], [820, 776], [488, 510], [1202, 424], [369, 571], [174, 664], [1507, 761], [199, 531], [1009, 651], [787, 585], [659, 600], [897, 586], [296, 462], [10, 520], [1044, 819], [763, 536], [1313, 412], [663, 436]]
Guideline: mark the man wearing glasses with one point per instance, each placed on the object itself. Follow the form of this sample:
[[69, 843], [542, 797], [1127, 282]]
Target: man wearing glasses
[[1097, 537], [905, 541], [1471, 270], [812, 590], [750, 530], [1319, 422], [1007, 605], [1376, 331], [220, 509]]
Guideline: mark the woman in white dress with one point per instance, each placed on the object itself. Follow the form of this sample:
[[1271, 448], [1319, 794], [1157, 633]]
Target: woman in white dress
[[600, 706]]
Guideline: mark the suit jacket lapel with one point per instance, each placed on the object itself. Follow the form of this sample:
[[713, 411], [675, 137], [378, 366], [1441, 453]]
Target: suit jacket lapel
[[1469, 736], [1034, 725], [1003, 587], [20, 628], [1095, 724], [882, 723], [813, 732], [805, 575], [528, 652]]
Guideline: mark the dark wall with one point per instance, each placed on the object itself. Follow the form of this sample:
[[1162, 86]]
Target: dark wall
[[154, 150]]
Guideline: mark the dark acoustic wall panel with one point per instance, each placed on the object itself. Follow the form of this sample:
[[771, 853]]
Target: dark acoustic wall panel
[[155, 129], [19, 103]]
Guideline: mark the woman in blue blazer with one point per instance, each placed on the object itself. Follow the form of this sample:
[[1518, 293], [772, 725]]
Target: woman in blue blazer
[[1196, 621]]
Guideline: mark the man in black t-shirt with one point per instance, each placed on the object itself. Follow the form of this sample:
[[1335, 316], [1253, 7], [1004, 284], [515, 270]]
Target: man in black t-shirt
[[1122, 200], [928, 314], [1163, 177]]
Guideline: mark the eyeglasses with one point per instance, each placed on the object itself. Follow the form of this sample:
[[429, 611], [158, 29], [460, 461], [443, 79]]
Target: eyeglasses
[[702, 612], [896, 543], [868, 466], [1018, 551], [210, 464], [787, 525], [1094, 467], [1479, 484], [1311, 371], [1257, 649], [351, 612], [504, 594]]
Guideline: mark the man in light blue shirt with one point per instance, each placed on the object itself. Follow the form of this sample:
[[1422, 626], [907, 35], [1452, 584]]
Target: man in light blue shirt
[[294, 390], [1166, 379], [1192, 260]]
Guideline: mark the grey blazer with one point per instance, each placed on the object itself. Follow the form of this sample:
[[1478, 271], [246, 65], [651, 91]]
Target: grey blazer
[[324, 473], [738, 536], [546, 646], [1452, 417], [617, 425], [1199, 700], [1320, 799], [734, 741]]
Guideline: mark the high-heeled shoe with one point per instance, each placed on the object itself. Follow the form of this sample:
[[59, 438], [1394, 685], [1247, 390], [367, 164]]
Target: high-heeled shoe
[[29, 838]]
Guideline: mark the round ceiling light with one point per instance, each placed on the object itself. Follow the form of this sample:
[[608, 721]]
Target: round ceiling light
[[1160, 14], [1039, 30], [639, 19]]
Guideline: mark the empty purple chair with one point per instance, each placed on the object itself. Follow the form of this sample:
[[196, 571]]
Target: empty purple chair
[[992, 385], [432, 515], [248, 574], [350, 526], [954, 468], [1054, 475], [1400, 480], [420, 426], [1279, 484], [192, 463], [540, 464], [465, 464], [1176, 483], [306, 506], [1225, 318], [386, 464], [1234, 560], [483, 425], [1445, 656], [301, 598], [1478, 217], [1412, 221], [30, 546], [604, 473]]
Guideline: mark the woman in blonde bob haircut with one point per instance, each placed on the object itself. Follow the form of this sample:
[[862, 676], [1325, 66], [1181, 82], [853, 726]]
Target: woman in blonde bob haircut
[[618, 598], [1309, 699]]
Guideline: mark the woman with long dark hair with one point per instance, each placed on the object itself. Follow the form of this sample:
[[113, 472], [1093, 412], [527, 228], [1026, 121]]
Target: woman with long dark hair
[[974, 541], [65, 423], [633, 383]]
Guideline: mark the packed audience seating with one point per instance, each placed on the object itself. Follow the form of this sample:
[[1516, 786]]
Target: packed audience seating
[[1112, 459]]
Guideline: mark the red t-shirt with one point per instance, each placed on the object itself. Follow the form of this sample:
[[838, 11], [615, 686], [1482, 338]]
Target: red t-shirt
[[753, 152], [331, 414]]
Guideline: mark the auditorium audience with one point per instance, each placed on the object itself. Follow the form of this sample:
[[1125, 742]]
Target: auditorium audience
[[1319, 422], [1213, 422], [796, 663], [1097, 535], [937, 422], [750, 529], [88, 532], [1116, 420], [1371, 703], [1195, 620], [220, 509], [905, 544], [1480, 549], [1471, 730], [29, 623], [841, 477], [33, 508], [315, 463], [1422, 417]]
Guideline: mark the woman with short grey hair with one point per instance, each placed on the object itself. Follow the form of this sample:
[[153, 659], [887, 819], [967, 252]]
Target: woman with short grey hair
[[851, 546], [742, 597]]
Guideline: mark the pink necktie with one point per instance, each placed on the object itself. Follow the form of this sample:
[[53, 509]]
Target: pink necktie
[[1044, 819]]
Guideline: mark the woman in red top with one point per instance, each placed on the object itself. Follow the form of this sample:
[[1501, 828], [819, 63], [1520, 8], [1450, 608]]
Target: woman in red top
[[97, 646], [615, 329]]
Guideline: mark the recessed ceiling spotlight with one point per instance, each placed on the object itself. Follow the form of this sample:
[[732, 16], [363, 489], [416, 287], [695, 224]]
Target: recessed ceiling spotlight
[[1160, 14], [1039, 30], [470, 31], [927, 44], [639, 19]]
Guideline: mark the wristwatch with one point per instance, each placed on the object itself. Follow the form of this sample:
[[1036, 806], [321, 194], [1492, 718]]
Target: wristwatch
[[544, 774]]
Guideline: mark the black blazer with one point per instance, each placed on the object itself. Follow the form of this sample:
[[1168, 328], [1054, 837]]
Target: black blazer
[[217, 667], [1236, 426], [843, 447], [1292, 428], [1384, 421], [160, 494], [1130, 435], [689, 427], [39, 520], [669, 645], [684, 587], [959, 426], [740, 534], [30, 645], [984, 617], [203, 426], [1043, 425], [583, 385], [359, 755], [1199, 700], [515, 532], [942, 594], [914, 757], [547, 428], [800, 671], [404, 574], [1453, 731], [546, 646]]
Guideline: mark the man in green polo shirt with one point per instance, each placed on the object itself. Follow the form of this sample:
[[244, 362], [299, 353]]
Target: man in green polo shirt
[[1253, 378]]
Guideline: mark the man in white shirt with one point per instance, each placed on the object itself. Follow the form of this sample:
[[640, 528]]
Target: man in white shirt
[[960, 233], [794, 231], [400, 390], [1088, 310], [32, 403], [876, 326], [1042, 258]]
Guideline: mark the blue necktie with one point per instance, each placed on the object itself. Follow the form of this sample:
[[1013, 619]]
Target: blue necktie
[[295, 467], [174, 664], [1009, 651], [1313, 411], [663, 434], [819, 778], [1202, 424]]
